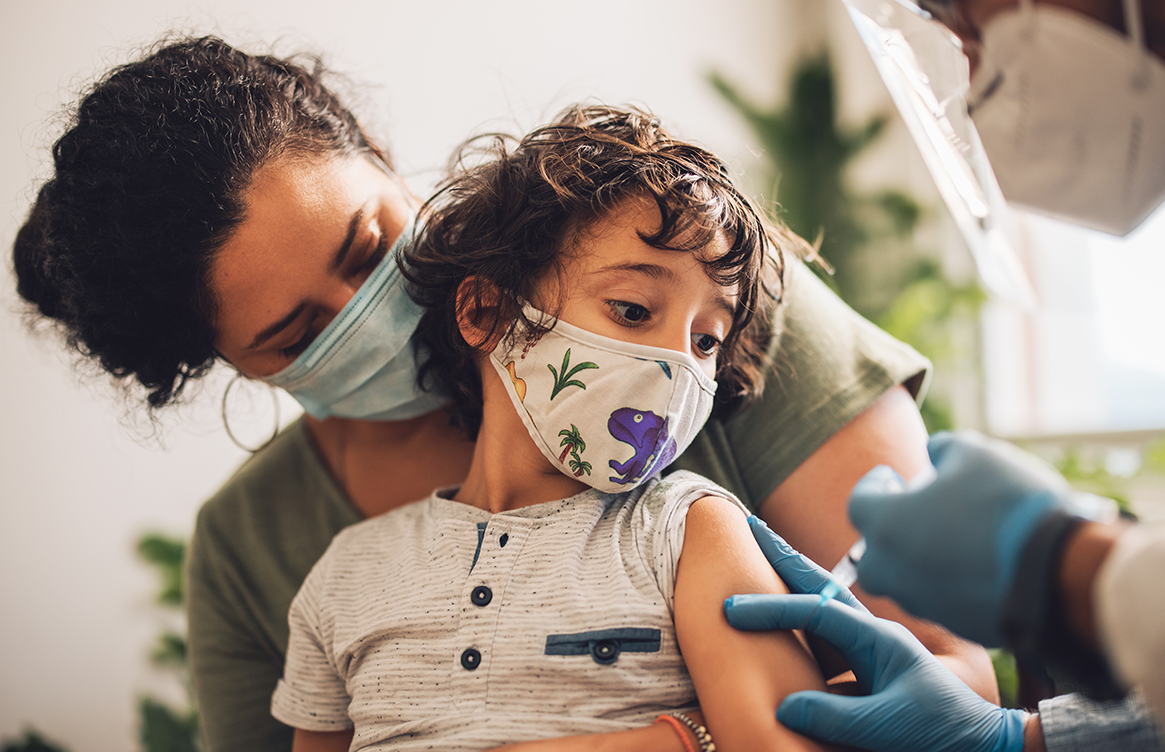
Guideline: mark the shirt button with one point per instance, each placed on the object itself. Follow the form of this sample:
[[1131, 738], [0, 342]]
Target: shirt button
[[470, 659], [502, 541], [481, 596], [605, 651]]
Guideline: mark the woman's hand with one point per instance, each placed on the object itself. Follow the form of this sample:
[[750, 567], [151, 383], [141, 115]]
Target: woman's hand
[[913, 703], [810, 510], [799, 573]]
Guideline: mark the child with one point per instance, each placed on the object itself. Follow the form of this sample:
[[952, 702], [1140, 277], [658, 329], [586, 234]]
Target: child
[[586, 295]]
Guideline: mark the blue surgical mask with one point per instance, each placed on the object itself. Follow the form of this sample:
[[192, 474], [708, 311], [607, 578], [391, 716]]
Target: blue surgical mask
[[363, 365]]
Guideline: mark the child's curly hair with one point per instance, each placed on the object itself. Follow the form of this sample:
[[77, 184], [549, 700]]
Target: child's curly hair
[[508, 211]]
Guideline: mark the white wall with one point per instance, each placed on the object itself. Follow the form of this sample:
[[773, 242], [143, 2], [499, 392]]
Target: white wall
[[78, 483]]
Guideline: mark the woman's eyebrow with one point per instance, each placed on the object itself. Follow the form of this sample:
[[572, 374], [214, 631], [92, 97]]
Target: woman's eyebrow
[[336, 262], [277, 327], [341, 252]]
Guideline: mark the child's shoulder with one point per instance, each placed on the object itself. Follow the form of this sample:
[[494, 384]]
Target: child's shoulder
[[390, 525], [665, 500], [683, 487], [660, 518]]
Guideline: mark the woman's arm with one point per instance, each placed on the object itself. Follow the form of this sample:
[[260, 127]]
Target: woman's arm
[[809, 510], [740, 677], [234, 669]]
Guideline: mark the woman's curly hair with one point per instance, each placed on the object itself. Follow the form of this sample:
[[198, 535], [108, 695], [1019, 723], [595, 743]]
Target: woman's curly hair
[[148, 184], [511, 209]]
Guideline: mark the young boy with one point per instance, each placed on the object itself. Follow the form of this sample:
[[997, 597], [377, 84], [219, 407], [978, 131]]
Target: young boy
[[590, 297]]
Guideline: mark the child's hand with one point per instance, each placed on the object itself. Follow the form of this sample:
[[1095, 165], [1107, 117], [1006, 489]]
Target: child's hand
[[658, 737]]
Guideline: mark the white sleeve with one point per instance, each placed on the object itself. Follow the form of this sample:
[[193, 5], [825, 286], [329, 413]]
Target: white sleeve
[[312, 694], [678, 491], [1130, 610]]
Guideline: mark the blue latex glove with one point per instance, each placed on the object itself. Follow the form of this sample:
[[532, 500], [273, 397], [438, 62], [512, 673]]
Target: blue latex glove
[[914, 702], [947, 551], [799, 574]]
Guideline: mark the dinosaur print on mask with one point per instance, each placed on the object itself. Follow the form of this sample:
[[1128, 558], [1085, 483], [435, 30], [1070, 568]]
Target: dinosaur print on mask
[[647, 433], [519, 383], [605, 412]]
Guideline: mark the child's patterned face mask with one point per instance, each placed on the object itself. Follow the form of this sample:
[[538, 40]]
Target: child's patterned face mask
[[609, 413]]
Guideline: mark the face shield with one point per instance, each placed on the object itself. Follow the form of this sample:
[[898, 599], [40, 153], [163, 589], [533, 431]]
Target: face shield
[[926, 73]]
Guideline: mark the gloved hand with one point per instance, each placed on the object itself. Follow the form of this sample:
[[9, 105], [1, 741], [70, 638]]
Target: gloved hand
[[948, 551], [914, 702], [799, 574]]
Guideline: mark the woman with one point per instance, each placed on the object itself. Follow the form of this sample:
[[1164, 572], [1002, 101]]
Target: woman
[[209, 204]]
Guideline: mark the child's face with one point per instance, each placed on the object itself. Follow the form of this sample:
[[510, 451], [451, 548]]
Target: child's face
[[615, 285]]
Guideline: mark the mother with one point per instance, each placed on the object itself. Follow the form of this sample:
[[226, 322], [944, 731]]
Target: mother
[[207, 204]]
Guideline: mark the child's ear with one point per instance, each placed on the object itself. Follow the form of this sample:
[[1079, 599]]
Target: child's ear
[[479, 313]]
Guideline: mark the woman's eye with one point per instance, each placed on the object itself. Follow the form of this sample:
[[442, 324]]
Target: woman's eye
[[629, 313], [375, 257], [705, 344], [293, 351]]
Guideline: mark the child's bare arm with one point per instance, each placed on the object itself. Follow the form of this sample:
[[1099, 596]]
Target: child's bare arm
[[740, 677], [321, 741]]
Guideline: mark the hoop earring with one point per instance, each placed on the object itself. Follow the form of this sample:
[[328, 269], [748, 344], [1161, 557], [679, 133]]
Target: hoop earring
[[227, 424]]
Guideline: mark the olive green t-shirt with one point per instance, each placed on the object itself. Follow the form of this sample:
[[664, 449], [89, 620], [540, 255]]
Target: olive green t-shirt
[[257, 538]]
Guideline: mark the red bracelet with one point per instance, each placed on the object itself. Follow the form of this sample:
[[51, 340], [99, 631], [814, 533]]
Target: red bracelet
[[680, 728]]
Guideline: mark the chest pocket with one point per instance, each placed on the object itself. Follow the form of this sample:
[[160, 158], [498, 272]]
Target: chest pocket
[[604, 645]]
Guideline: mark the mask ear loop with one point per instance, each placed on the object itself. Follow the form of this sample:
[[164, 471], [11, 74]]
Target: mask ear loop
[[1027, 9], [1137, 38], [227, 425]]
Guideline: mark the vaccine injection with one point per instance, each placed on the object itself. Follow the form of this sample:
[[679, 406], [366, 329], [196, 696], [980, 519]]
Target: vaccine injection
[[845, 574]]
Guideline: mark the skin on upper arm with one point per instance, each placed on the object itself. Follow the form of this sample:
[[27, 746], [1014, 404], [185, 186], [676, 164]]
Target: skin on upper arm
[[322, 741], [740, 677], [809, 510]]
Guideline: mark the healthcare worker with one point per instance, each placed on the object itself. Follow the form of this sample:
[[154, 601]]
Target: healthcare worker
[[1068, 97]]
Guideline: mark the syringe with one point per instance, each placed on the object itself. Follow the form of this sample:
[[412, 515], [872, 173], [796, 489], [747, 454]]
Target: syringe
[[845, 574]]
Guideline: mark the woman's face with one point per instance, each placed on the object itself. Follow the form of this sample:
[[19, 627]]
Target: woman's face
[[314, 229]]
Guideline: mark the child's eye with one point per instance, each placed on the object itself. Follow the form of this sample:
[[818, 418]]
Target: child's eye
[[705, 344], [629, 314]]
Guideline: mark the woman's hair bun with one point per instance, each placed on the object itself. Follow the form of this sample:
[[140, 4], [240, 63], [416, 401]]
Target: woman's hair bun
[[31, 260]]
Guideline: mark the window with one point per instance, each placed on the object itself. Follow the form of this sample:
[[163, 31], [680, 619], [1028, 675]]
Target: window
[[1091, 357]]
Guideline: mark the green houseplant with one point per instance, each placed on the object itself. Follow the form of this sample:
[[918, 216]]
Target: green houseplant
[[809, 153]]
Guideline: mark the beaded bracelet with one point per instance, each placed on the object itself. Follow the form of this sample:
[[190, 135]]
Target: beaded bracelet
[[702, 736], [679, 729]]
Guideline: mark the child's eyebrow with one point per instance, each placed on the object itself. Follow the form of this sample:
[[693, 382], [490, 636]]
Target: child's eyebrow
[[722, 299], [655, 271]]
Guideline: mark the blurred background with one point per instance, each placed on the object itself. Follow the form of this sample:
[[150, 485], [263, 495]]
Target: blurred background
[[96, 500]]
